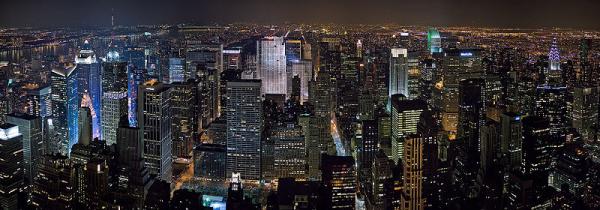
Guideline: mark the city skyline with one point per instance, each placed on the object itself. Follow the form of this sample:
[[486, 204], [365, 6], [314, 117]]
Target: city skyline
[[303, 105]]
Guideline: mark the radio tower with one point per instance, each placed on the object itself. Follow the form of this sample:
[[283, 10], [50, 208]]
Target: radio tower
[[112, 18], [112, 25]]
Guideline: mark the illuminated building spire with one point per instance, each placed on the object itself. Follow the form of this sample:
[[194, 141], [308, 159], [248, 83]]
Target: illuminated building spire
[[554, 56]]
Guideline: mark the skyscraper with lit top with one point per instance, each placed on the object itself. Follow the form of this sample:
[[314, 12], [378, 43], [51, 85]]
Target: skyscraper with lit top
[[11, 165], [554, 56], [89, 81], [33, 145], [398, 82], [434, 41], [65, 107], [553, 73]]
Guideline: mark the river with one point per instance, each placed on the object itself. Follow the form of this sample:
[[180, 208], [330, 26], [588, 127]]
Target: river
[[17, 55]]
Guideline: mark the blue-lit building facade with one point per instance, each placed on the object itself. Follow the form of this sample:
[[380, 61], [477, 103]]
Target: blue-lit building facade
[[64, 110], [136, 58], [176, 70], [88, 82]]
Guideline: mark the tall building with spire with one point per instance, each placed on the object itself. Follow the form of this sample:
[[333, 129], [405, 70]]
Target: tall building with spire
[[554, 56], [553, 74]]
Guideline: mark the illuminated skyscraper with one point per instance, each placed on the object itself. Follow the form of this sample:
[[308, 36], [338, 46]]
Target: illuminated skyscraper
[[414, 75], [65, 107], [553, 73], [322, 96], [434, 41], [585, 112], [155, 121], [457, 65], [347, 103], [294, 43], [550, 104], [33, 145], [339, 179], [136, 73], [39, 101], [89, 81], [271, 58], [538, 146], [405, 117], [244, 128], [184, 121], [4, 83], [319, 139], [398, 83], [114, 107], [587, 76], [511, 139], [11, 165], [289, 152], [114, 75], [135, 77], [554, 57], [114, 95], [176, 70], [227, 75], [412, 178]]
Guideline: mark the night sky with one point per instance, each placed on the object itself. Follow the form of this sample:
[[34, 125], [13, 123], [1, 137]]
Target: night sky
[[509, 13]]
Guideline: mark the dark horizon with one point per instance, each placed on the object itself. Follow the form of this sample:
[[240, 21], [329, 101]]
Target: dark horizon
[[579, 14]]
